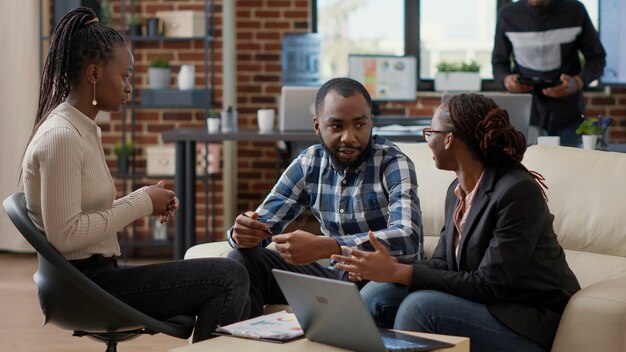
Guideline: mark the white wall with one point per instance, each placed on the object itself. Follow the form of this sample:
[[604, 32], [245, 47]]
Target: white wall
[[19, 69]]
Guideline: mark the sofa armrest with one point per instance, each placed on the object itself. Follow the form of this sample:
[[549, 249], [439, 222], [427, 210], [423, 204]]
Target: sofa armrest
[[221, 249], [594, 319]]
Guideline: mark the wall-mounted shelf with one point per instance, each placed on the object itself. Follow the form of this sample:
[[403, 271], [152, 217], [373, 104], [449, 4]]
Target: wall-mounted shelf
[[175, 98], [144, 98]]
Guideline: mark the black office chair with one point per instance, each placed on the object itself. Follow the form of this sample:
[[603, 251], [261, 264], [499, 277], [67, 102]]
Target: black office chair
[[72, 301]]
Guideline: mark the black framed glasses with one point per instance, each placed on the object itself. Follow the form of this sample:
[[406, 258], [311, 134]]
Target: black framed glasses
[[429, 131]]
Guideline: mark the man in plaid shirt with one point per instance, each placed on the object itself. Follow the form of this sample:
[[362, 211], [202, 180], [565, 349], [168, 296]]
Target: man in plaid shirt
[[352, 181]]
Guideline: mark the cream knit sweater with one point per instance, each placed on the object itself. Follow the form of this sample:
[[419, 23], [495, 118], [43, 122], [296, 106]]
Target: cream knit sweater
[[70, 193]]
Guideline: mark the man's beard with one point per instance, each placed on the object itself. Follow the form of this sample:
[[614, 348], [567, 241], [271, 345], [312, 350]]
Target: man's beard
[[343, 165]]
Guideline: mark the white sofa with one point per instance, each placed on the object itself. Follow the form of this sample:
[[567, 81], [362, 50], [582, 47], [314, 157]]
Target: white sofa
[[587, 193]]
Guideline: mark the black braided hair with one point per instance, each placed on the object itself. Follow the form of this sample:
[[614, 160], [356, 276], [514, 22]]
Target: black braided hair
[[486, 129], [79, 39]]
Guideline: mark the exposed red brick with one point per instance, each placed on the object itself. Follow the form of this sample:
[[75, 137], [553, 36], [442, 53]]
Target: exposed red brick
[[248, 46], [617, 111], [278, 3], [301, 25], [618, 90], [268, 36], [266, 57], [180, 116], [266, 78], [299, 14], [266, 14], [249, 3], [242, 25], [153, 8]]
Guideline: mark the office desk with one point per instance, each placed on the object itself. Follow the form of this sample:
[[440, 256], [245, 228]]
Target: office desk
[[185, 176]]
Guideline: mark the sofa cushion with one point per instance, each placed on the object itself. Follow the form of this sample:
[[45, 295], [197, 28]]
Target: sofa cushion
[[586, 195], [432, 185]]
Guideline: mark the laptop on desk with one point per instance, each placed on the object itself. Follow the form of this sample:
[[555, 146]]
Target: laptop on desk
[[297, 108], [332, 312]]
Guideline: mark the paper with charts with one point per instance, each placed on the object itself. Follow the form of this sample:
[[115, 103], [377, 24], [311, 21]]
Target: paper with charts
[[280, 326]]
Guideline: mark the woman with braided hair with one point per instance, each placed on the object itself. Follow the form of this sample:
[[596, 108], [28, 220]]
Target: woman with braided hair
[[498, 274], [70, 193]]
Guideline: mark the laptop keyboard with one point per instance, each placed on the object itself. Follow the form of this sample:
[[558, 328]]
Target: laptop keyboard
[[394, 344]]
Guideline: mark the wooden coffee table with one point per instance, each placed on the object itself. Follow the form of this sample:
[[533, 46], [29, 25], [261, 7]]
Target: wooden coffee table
[[230, 344]]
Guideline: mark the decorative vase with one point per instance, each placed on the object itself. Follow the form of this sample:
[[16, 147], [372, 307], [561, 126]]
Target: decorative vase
[[589, 141], [603, 139], [158, 77], [186, 77]]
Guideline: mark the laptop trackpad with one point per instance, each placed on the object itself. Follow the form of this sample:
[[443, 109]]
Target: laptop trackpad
[[397, 341]]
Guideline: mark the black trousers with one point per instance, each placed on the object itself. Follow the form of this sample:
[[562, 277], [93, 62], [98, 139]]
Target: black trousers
[[264, 289]]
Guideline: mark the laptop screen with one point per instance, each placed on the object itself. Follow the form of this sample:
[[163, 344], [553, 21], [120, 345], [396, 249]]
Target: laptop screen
[[333, 312], [297, 108]]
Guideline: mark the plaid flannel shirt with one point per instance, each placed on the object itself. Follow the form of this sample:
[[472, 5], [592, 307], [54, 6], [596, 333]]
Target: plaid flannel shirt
[[380, 195]]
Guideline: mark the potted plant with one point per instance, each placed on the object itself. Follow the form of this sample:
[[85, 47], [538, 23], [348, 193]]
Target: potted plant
[[452, 76], [159, 73], [134, 26], [123, 151], [213, 121], [589, 130]]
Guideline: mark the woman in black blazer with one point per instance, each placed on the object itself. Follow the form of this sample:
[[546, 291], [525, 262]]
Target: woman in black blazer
[[498, 274]]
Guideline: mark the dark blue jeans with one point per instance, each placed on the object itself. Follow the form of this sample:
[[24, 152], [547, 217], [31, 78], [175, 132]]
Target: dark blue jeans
[[264, 289], [392, 306], [215, 290]]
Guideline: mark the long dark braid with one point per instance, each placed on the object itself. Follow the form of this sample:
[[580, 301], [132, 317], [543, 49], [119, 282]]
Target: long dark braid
[[78, 40], [486, 129]]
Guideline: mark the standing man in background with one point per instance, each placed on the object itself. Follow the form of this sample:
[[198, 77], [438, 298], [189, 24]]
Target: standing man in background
[[538, 42]]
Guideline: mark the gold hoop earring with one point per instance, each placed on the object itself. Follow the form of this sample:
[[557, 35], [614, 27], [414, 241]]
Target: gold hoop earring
[[94, 102]]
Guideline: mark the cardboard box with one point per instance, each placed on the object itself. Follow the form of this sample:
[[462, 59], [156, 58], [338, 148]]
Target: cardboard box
[[183, 24]]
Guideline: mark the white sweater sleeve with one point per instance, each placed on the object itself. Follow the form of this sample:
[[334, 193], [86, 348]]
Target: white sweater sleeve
[[77, 208]]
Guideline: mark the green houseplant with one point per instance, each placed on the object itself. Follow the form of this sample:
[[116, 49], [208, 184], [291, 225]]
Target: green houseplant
[[457, 76], [445, 66], [159, 73], [589, 130], [123, 151], [589, 126]]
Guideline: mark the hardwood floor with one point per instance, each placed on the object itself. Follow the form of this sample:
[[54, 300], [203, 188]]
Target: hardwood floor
[[21, 317]]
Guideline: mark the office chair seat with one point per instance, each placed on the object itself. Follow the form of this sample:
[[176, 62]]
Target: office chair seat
[[72, 301]]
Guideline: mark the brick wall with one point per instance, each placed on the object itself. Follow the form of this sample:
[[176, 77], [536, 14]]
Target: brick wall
[[261, 25]]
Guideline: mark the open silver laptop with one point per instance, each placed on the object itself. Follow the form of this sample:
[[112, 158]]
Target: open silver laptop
[[297, 108], [332, 312], [517, 105]]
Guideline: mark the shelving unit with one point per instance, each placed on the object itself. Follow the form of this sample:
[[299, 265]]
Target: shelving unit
[[129, 239], [130, 177]]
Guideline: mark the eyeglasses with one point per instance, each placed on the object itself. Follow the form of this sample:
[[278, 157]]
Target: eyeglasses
[[428, 132]]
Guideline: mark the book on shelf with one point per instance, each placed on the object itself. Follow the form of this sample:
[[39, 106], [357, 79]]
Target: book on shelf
[[276, 327]]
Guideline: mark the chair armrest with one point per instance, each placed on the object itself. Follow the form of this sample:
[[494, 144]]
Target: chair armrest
[[594, 319]]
